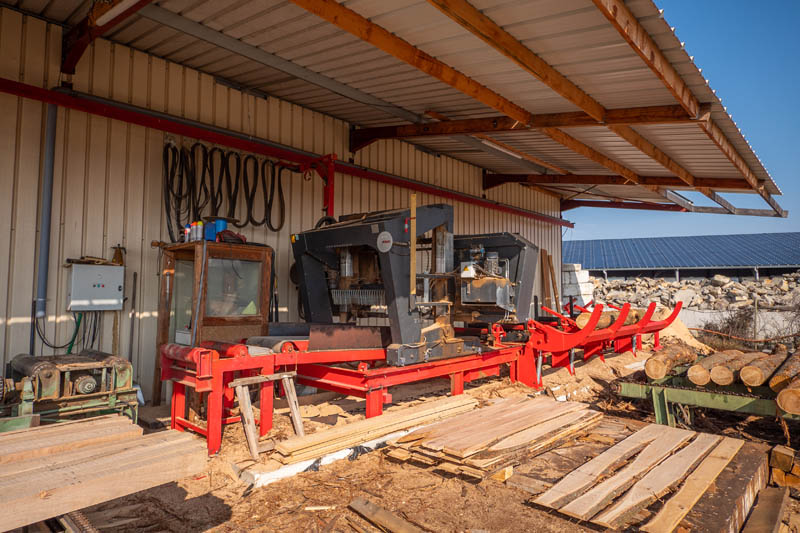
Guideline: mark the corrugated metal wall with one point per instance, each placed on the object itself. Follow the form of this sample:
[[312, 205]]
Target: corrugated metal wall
[[108, 177]]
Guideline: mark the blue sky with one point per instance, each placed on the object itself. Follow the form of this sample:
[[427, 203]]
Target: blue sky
[[750, 54]]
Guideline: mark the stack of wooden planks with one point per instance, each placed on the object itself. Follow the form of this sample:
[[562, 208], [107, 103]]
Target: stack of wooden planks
[[485, 441], [321, 443], [785, 465], [51, 470], [612, 488]]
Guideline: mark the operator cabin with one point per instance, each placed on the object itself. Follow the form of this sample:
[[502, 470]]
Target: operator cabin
[[128, 122]]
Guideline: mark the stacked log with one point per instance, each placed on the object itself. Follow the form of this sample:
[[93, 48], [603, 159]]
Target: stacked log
[[660, 364], [785, 373], [700, 373], [727, 372], [609, 317], [758, 372]]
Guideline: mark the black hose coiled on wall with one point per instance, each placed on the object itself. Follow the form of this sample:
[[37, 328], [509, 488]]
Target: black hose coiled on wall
[[199, 179]]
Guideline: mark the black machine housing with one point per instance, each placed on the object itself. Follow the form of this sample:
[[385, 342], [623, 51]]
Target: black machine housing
[[360, 268]]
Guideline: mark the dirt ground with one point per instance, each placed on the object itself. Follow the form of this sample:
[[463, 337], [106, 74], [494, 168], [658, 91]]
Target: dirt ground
[[317, 500]]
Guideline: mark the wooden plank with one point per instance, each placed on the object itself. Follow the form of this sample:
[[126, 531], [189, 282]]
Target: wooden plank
[[539, 430], [291, 397], [248, 421], [534, 412], [90, 453], [554, 281], [70, 441], [694, 487], [488, 459], [548, 296], [94, 485], [658, 482], [401, 416], [768, 511], [253, 380], [381, 517], [528, 483], [581, 479], [435, 436], [725, 506], [599, 496]]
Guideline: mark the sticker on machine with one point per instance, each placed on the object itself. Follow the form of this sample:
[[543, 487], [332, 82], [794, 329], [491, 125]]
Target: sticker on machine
[[385, 241]]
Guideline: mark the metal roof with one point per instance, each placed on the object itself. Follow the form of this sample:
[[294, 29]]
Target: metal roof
[[572, 36], [706, 251]]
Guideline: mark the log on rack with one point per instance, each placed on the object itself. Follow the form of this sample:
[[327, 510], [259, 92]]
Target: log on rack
[[660, 364], [727, 372], [758, 372], [785, 373], [700, 373]]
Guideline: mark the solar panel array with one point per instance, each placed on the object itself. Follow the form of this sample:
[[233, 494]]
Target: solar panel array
[[706, 251]]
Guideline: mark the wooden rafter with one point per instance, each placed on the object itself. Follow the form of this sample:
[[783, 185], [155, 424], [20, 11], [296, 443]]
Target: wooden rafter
[[482, 26], [640, 41], [353, 23], [627, 116], [80, 36], [590, 153], [485, 28], [491, 180]]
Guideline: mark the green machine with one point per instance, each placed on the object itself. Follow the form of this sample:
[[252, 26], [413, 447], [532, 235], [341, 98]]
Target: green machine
[[45, 389]]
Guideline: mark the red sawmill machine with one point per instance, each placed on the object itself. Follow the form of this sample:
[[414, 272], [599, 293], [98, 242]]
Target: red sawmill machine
[[388, 298]]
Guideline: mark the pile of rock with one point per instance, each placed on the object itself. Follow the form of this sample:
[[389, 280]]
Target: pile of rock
[[718, 293]]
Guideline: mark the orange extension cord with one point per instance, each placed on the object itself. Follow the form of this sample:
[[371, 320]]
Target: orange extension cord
[[743, 338]]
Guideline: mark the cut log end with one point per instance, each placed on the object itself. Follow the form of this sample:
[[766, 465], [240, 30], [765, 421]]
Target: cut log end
[[789, 398], [655, 369], [752, 376], [721, 375], [698, 375]]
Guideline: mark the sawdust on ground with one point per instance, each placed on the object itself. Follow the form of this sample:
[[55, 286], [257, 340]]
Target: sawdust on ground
[[317, 500]]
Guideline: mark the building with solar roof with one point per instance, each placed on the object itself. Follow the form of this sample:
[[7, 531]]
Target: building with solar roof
[[744, 255]]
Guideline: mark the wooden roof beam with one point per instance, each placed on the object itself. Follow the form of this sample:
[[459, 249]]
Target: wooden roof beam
[[353, 23], [647, 206], [491, 180], [669, 114], [486, 29], [102, 17], [640, 41]]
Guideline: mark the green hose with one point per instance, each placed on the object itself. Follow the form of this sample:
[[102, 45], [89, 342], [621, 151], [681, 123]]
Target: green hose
[[75, 333]]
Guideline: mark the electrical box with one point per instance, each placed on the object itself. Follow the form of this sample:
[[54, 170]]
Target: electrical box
[[95, 287]]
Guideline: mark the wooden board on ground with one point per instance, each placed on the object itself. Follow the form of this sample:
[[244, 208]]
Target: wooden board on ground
[[596, 498], [695, 486], [725, 505], [320, 443], [486, 441], [381, 517], [39, 487], [48, 440], [656, 483], [578, 481]]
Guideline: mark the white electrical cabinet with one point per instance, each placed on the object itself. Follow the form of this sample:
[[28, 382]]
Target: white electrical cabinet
[[95, 287]]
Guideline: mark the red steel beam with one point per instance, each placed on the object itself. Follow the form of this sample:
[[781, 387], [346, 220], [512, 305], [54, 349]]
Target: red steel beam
[[186, 128], [80, 36], [647, 206]]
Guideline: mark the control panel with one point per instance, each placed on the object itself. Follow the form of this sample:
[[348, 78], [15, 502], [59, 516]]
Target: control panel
[[95, 287]]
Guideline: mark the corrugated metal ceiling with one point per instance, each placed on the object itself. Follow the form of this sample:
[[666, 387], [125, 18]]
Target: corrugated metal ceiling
[[571, 35]]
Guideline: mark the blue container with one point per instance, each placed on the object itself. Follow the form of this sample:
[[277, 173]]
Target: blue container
[[220, 225], [210, 231]]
